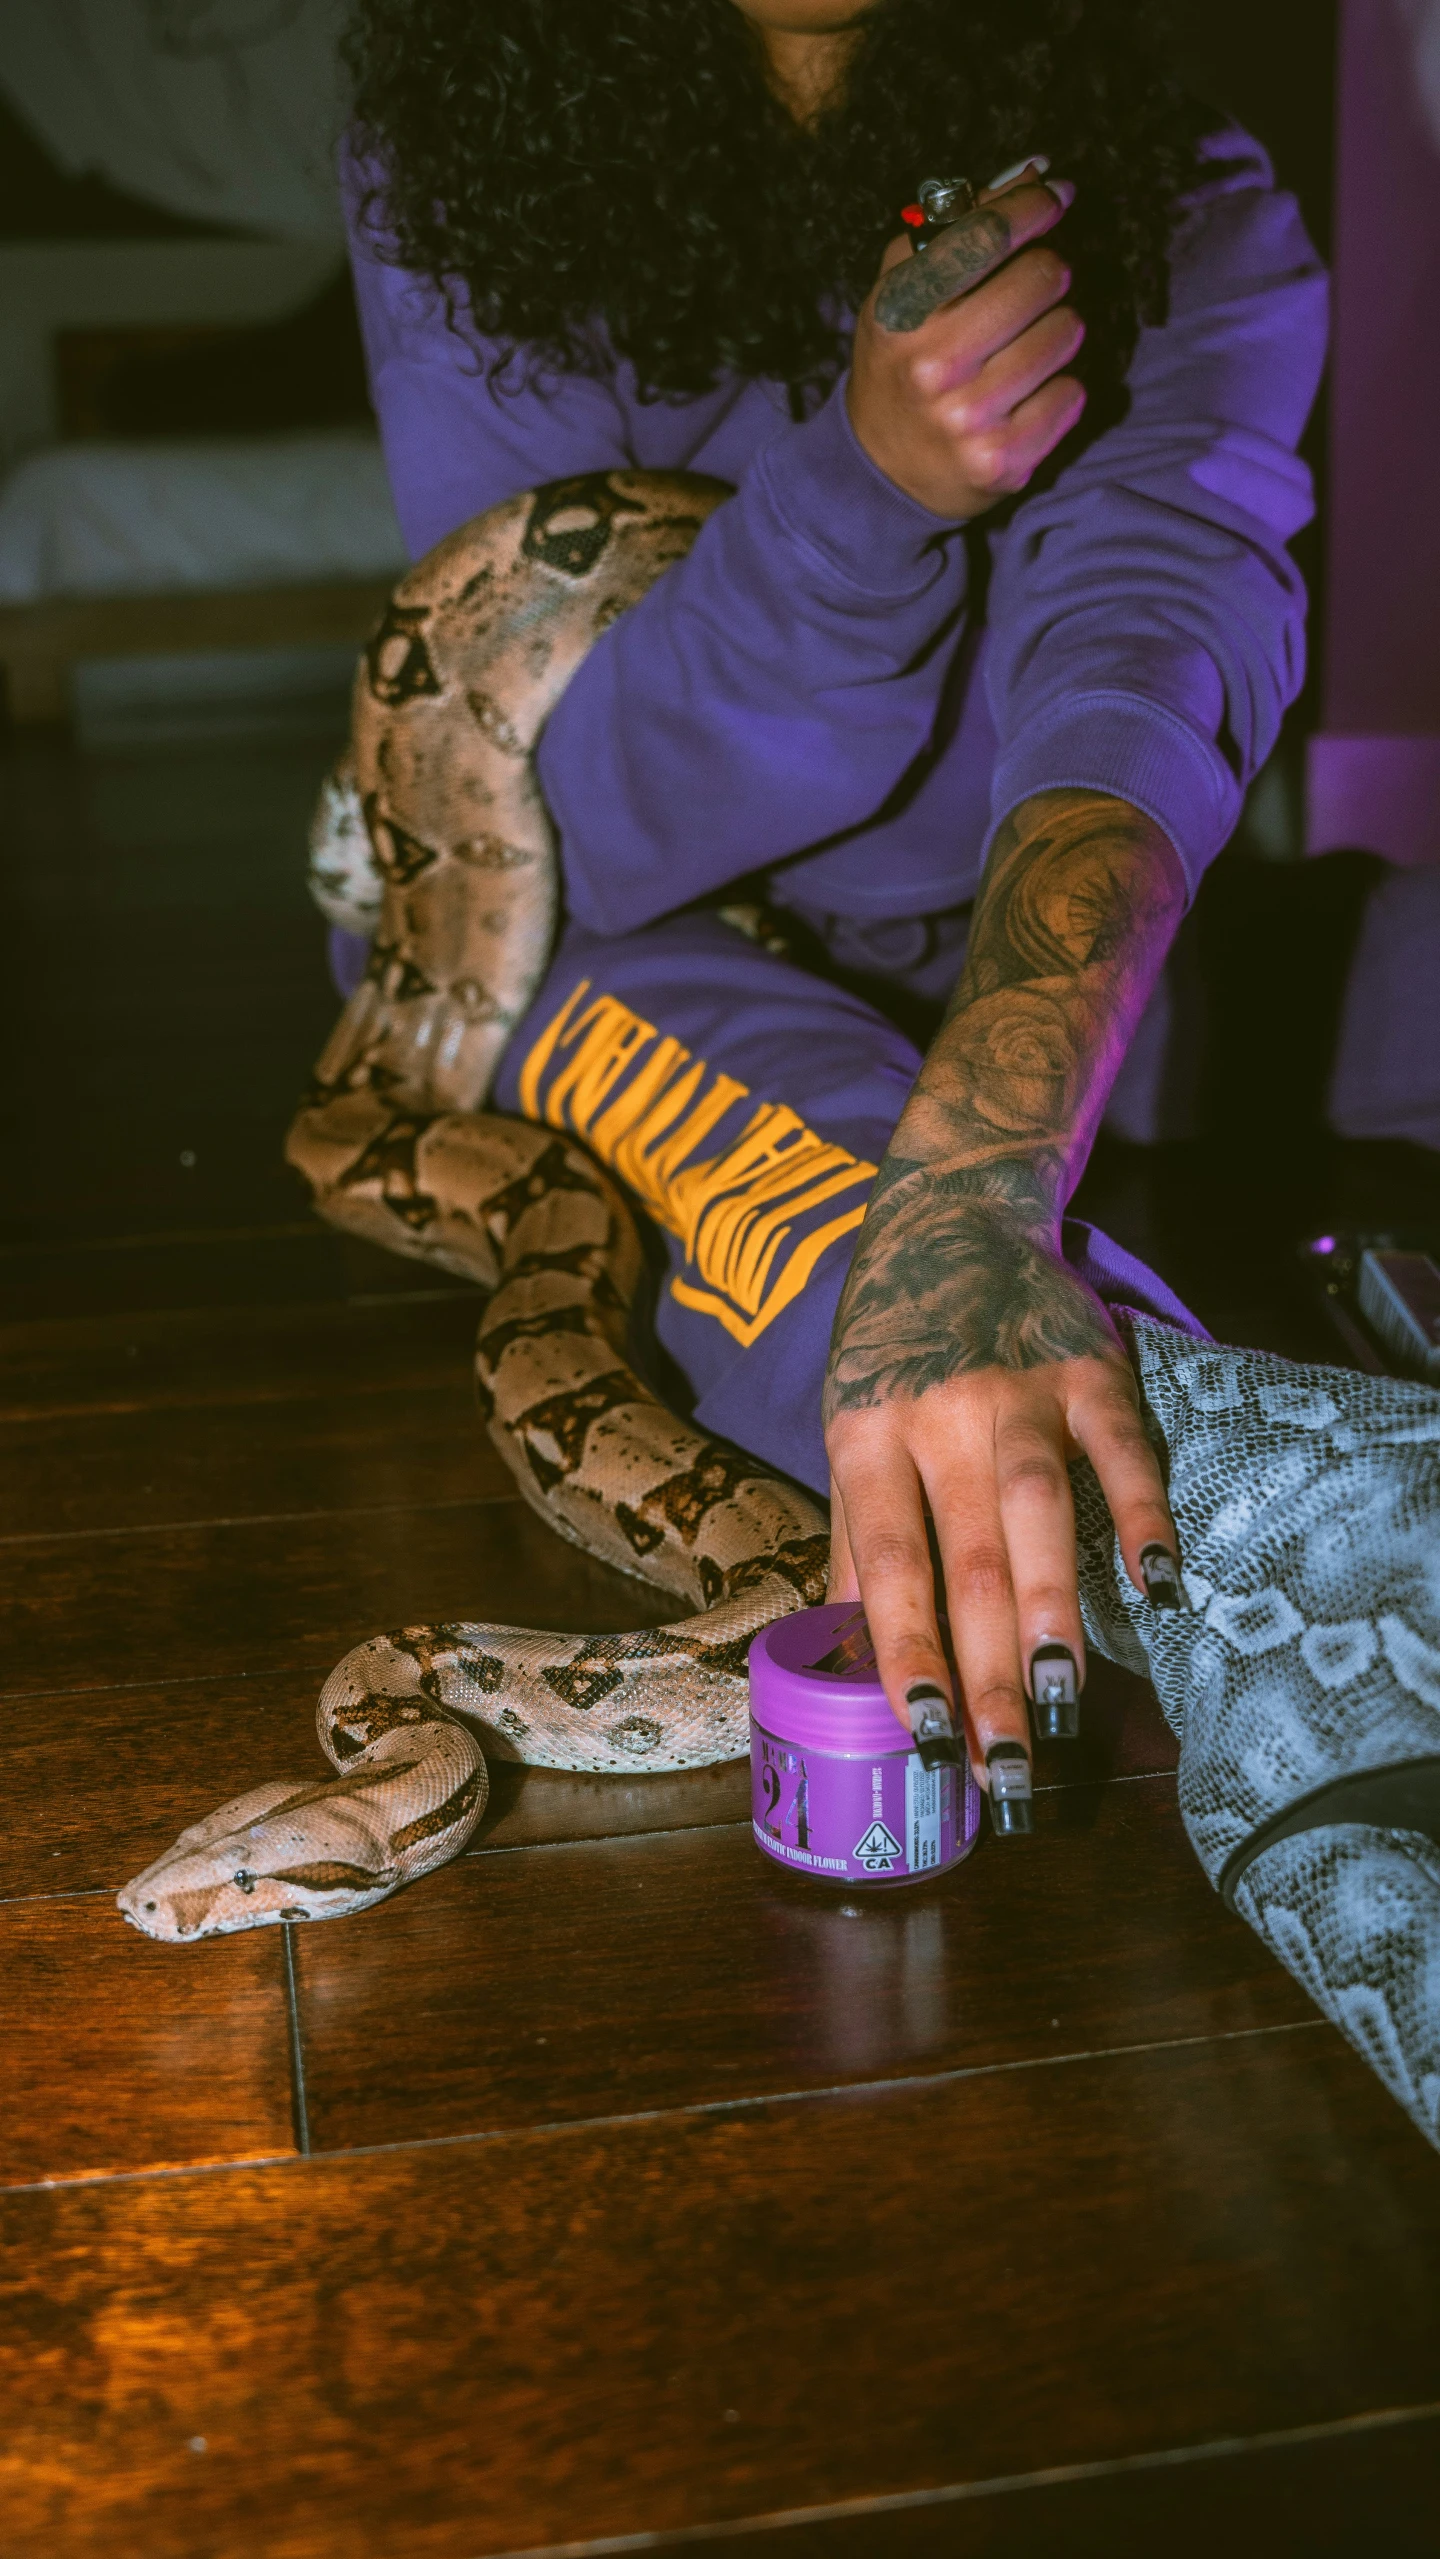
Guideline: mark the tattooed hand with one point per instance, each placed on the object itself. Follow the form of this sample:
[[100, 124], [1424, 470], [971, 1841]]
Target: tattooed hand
[[970, 1364], [957, 388]]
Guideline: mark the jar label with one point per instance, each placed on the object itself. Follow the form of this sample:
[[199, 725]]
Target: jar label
[[924, 1798], [879, 1820]]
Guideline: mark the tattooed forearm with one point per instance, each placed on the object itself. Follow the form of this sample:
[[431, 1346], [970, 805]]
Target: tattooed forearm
[[1080, 898], [962, 257], [958, 1263]]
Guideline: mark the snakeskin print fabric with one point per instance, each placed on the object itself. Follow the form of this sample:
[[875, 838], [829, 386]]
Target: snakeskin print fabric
[[1308, 1503]]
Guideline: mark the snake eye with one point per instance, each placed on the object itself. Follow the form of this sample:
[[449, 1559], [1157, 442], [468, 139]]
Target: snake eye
[[149, 1905], [243, 1877]]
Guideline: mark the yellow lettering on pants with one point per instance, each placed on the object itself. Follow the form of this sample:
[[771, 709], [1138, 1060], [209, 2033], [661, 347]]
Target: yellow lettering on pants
[[735, 1213]]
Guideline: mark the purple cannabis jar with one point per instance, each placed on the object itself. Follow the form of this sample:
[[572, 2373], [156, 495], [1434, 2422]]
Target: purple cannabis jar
[[839, 1793]]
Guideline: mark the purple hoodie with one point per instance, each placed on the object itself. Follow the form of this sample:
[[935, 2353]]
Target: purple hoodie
[[813, 688]]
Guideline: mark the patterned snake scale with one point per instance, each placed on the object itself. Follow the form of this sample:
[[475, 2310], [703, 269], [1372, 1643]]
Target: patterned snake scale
[[1306, 1669]]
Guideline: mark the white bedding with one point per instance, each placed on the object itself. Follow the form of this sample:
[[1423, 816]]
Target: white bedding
[[148, 519]]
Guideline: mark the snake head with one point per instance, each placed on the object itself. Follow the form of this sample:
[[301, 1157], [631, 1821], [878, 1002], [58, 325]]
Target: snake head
[[183, 1897], [263, 1858], [188, 1897], [206, 1895]]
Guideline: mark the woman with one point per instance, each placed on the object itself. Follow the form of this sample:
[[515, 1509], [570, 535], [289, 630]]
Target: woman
[[970, 673]]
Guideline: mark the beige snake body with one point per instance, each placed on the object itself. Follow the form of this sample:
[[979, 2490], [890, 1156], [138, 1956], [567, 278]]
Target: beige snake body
[[469, 661]]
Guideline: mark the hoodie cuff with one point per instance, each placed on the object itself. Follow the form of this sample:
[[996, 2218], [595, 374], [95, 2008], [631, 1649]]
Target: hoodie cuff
[[1126, 748], [827, 498]]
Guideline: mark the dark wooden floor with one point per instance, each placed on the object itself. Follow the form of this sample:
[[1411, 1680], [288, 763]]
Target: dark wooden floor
[[609, 2190]]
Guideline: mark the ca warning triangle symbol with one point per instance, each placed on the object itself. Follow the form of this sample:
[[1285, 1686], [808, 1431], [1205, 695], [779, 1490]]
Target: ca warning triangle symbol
[[879, 1847]]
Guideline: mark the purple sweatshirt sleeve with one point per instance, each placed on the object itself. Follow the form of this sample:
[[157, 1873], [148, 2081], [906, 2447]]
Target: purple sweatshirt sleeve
[[769, 692], [1147, 624]]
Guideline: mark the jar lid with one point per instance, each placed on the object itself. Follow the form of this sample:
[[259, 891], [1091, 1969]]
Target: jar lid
[[813, 1682]]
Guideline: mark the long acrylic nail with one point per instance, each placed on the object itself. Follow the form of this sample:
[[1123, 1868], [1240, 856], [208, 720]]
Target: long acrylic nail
[[1055, 1693], [1011, 1789], [1037, 161], [1161, 1576], [932, 1725]]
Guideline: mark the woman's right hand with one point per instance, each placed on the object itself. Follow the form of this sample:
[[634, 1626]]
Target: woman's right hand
[[958, 388]]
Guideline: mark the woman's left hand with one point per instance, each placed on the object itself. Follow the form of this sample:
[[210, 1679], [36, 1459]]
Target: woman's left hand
[[970, 1365]]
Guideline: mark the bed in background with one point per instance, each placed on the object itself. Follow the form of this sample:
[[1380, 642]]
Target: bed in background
[[122, 549]]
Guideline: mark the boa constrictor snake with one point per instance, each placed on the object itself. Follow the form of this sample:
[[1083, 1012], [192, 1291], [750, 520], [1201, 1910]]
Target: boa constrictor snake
[[451, 697]]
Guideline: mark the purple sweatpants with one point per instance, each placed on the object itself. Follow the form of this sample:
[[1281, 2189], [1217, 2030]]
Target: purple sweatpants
[[745, 1104]]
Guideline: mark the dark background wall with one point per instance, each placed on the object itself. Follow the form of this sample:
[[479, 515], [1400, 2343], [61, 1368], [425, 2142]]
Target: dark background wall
[[1272, 62]]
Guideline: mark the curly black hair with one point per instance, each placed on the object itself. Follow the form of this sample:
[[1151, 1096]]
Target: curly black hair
[[570, 162]]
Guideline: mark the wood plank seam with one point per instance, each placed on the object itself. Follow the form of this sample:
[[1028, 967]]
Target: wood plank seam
[[123, 1407], [484, 1848], [1122, 1777], [124, 1687], [604, 1840], [702, 2107], [116, 1408], [675, 1830], [256, 1519], [148, 1241], [78, 1892], [832, 2092], [299, 2109], [970, 2491]]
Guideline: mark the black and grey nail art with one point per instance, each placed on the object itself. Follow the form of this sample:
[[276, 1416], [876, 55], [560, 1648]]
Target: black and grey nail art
[[1161, 1576], [1055, 1693], [1011, 1790], [933, 1725]]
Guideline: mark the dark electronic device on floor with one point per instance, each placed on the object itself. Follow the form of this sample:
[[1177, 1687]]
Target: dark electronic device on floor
[[1382, 1294]]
